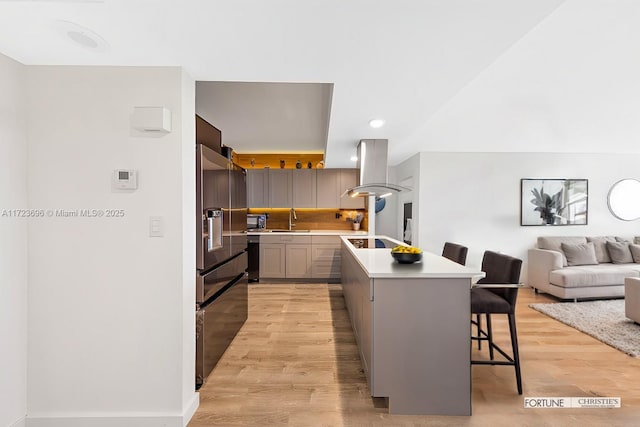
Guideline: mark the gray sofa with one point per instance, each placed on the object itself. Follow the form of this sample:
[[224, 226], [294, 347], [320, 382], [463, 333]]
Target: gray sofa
[[583, 267]]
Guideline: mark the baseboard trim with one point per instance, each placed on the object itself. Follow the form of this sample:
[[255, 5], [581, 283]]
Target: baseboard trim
[[114, 420], [191, 409], [105, 421]]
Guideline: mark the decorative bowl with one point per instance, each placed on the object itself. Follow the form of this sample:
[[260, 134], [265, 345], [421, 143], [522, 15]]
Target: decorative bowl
[[406, 258]]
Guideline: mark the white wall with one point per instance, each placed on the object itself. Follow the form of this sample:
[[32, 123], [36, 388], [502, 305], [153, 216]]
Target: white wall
[[390, 221], [189, 401], [474, 198], [13, 244], [568, 83], [110, 338]]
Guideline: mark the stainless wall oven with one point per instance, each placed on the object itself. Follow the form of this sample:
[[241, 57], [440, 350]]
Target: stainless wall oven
[[221, 257]]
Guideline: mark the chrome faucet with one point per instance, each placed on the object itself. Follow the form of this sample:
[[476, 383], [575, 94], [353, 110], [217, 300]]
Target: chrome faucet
[[295, 217]]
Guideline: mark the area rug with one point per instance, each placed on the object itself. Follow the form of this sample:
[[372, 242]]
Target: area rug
[[603, 320]]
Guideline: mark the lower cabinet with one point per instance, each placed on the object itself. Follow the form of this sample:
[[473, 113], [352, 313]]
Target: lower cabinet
[[285, 256], [272, 260], [357, 289], [298, 263], [288, 256], [325, 257]]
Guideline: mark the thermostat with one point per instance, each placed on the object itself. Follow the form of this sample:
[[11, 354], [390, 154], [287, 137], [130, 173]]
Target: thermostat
[[125, 179]]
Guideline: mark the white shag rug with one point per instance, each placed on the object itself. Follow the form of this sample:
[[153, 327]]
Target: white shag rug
[[603, 320]]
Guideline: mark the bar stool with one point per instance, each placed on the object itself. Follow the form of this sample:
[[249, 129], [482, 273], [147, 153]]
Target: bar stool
[[454, 252], [496, 293]]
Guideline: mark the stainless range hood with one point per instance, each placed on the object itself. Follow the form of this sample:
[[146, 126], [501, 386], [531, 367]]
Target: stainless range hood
[[372, 165]]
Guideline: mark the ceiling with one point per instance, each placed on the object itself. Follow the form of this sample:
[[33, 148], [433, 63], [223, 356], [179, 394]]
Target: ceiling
[[405, 61], [262, 117]]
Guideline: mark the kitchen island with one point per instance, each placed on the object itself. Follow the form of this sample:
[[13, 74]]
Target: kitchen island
[[412, 326]]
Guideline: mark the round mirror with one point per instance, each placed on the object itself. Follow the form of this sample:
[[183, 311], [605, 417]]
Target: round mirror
[[624, 199]]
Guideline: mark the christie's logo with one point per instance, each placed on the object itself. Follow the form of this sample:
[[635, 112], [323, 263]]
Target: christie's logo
[[571, 402]]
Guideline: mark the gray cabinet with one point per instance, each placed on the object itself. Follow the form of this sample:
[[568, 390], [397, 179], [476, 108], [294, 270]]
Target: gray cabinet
[[257, 188], [332, 183], [272, 261], [328, 188], [300, 257], [298, 264], [303, 188], [280, 188], [357, 289], [325, 257], [349, 179], [285, 256]]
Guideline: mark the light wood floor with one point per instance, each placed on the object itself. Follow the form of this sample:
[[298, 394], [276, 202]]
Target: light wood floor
[[295, 363]]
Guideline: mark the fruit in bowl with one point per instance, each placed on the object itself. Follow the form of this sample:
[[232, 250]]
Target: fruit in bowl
[[406, 254]]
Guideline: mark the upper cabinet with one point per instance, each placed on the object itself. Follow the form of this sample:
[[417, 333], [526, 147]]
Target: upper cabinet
[[258, 188], [332, 183], [349, 179], [302, 188], [280, 188], [328, 188]]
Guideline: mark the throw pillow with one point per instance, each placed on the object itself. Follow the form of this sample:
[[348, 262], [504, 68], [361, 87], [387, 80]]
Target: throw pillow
[[636, 240], [619, 252], [600, 244], [580, 254], [635, 252], [555, 244], [622, 239]]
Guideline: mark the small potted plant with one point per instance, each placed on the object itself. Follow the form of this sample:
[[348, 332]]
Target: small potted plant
[[356, 221]]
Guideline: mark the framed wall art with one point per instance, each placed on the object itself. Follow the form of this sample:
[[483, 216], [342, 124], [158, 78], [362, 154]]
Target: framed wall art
[[554, 201]]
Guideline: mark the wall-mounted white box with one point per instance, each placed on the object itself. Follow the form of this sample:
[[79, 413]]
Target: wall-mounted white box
[[125, 179], [151, 119]]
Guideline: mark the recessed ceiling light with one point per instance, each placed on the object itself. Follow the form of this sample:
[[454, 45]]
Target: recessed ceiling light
[[354, 158], [376, 123], [81, 36]]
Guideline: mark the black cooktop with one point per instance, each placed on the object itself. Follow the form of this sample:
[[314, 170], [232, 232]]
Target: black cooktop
[[369, 243]]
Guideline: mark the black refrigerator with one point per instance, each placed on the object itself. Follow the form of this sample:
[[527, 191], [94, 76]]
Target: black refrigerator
[[221, 257]]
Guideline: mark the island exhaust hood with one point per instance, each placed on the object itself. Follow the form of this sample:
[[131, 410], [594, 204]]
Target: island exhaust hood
[[372, 176]]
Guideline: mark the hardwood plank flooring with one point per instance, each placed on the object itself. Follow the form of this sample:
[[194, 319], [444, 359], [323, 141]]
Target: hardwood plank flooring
[[295, 363]]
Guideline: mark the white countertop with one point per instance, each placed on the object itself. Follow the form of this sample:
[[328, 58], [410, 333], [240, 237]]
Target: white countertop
[[312, 233], [380, 263]]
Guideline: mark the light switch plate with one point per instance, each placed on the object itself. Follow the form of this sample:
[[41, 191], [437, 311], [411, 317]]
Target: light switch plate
[[156, 226]]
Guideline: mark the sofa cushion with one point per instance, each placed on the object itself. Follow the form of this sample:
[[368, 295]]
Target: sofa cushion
[[619, 252], [600, 244], [580, 254], [554, 243], [593, 275], [635, 252]]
